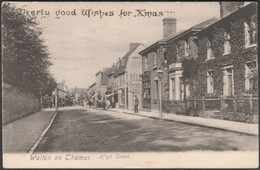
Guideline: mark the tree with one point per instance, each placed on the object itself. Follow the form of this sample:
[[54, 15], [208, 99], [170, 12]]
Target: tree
[[25, 56]]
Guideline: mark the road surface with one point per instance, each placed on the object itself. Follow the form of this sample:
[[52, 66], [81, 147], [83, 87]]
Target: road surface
[[89, 130]]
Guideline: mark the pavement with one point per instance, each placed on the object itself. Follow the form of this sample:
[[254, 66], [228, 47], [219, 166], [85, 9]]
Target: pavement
[[20, 135], [239, 127]]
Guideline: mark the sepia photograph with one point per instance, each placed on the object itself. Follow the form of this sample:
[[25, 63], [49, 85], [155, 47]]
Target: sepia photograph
[[130, 84]]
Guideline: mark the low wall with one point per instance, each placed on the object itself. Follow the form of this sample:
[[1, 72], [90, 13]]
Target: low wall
[[239, 109], [16, 104]]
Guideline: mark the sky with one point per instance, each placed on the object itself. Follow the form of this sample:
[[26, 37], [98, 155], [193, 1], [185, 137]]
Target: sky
[[80, 46]]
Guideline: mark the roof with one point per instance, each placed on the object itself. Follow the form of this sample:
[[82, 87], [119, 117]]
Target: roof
[[194, 28], [244, 10], [122, 62], [112, 71], [92, 85], [104, 78]]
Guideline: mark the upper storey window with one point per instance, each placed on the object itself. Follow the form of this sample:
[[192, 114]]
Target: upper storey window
[[227, 45], [250, 32], [209, 51]]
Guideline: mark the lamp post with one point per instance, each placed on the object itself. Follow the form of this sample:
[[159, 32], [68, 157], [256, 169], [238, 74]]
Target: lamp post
[[160, 75]]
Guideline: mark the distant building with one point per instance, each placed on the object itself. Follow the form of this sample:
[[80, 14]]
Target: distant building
[[126, 77], [62, 93], [102, 81]]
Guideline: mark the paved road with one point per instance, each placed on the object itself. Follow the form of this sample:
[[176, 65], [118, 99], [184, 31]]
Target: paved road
[[106, 131]]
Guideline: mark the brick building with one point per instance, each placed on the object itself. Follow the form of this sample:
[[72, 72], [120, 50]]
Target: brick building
[[182, 46], [153, 60], [228, 59], [166, 56]]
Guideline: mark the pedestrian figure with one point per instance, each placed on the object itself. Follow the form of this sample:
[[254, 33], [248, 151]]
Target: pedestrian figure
[[104, 104], [136, 102]]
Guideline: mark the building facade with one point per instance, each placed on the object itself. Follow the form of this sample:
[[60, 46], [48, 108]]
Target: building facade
[[126, 77], [228, 54], [153, 62], [228, 62], [166, 56]]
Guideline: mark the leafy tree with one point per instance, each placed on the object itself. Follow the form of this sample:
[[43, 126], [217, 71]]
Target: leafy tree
[[25, 58]]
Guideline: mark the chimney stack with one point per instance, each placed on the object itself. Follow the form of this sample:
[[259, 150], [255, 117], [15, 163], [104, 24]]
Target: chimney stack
[[227, 8], [169, 26]]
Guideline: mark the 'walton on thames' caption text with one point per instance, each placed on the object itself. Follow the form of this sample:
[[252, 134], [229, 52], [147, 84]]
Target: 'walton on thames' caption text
[[76, 157], [92, 13]]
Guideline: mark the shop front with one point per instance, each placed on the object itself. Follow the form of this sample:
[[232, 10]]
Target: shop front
[[121, 98]]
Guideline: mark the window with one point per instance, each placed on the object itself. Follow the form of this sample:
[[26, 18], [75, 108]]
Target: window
[[186, 49], [250, 32], [228, 80], [155, 61], [251, 77], [210, 85], [178, 52], [227, 46], [209, 51]]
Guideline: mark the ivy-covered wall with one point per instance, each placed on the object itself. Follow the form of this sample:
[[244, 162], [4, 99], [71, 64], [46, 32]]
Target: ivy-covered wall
[[238, 57]]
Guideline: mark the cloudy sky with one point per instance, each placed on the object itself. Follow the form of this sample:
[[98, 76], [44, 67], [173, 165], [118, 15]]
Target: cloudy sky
[[81, 45]]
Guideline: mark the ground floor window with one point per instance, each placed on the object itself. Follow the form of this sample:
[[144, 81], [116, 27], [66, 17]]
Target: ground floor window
[[172, 90], [210, 85], [146, 94], [228, 80], [251, 77]]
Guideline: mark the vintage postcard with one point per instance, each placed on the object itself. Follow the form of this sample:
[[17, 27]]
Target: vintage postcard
[[130, 84]]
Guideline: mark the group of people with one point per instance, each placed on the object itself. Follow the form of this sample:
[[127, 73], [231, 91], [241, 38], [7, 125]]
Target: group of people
[[105, 104]]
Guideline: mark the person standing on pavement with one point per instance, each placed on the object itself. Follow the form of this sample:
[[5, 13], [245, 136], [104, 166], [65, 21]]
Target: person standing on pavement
[[104, 103], [136, 103]]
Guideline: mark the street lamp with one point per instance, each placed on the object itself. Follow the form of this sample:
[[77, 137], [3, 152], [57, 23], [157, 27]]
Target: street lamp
[[159, 76]]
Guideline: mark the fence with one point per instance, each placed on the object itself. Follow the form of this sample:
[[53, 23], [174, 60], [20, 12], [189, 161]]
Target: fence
[[242, 109]]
